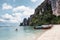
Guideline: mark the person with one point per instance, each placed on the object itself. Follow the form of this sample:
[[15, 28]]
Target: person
[[16, 29]]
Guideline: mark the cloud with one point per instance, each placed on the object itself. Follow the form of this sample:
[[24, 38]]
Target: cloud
[[17, 17], [18, 14], [26, 11], [7, 16], [2, 20], [6, 6], [13, 18], [33, 0]]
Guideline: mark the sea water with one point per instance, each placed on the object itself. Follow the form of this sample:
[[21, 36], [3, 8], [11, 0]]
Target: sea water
[[23, 33]]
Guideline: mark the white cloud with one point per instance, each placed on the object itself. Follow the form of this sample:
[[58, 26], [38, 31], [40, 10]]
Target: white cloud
[[25, 10], [17, 17], [7, 16], [6, 6], [2, 20], [14, 18], [34, 0], [18, 14]]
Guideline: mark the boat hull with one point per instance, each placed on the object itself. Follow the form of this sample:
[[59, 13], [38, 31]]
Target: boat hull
[[49, 27]]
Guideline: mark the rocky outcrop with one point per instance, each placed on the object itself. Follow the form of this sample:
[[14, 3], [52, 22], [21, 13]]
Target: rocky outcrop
[[43, 7], [24, 22], [38, 11], [43, 15]]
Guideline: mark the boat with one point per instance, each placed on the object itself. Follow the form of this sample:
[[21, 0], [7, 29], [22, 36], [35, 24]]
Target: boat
[[43, 27]]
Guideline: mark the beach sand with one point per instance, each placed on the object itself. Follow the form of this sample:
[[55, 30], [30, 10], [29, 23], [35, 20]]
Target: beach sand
[[51, 34]]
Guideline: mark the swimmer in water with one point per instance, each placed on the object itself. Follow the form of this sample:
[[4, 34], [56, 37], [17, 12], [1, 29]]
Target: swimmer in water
[[16, 29]]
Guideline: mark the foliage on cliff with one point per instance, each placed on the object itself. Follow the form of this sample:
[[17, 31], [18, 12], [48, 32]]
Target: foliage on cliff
[[43, 18], [46, 17]]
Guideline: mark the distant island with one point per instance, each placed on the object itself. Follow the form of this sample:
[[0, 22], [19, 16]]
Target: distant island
[[44, 14]]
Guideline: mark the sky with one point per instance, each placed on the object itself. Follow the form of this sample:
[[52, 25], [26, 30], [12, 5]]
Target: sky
[[12, 12]]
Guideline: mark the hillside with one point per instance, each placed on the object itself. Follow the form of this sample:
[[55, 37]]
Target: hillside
[[43, 15]]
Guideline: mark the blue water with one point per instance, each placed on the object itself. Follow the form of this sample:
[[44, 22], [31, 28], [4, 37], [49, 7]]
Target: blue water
[[23, 33]]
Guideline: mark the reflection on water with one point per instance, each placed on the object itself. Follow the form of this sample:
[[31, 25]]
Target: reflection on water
[[23, 33]]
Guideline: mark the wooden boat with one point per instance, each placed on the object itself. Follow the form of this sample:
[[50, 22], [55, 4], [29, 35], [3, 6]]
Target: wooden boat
[[43, 27]]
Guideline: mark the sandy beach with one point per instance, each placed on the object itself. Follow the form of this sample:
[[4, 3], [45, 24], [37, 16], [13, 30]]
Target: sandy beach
[[51, 34]]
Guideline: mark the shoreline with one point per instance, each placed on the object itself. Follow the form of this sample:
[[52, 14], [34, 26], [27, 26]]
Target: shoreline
[[51, 34]]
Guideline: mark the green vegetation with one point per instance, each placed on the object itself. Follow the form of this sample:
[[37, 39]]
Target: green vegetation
[[45, 18]]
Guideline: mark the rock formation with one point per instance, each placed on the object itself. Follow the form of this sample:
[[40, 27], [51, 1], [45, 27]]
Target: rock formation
[[46, 13], [38, 11]]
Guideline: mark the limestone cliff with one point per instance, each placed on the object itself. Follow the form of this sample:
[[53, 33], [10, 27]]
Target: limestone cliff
[[38, 11], [43, 15]]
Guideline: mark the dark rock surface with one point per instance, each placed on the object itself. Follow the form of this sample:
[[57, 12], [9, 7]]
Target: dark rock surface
[[38, 11]]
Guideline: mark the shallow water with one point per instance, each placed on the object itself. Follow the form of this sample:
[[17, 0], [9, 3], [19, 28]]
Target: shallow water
[[23, 33]]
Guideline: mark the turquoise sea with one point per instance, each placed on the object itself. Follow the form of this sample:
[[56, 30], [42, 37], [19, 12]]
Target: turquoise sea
[[23, 33]]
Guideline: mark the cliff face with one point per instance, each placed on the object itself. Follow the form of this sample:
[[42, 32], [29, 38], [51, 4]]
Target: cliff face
[[24, 23], [55, 7], [43, 7], [43, 15], [36, 17]]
